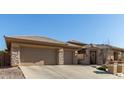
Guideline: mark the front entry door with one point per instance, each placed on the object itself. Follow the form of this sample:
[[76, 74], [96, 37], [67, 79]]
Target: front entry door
[[92, 57]]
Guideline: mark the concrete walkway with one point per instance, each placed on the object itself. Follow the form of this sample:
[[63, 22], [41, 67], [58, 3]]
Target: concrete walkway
[[65, 72]]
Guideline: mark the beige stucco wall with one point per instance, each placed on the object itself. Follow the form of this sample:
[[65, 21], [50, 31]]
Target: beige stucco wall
[[103, 55], [86, 61], [100, 56], [110, 55]]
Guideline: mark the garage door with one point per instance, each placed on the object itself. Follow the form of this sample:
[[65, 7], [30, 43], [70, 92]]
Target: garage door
[[38, 56], [68, 57]]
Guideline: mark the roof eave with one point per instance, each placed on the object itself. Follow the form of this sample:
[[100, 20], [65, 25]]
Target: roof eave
[[9, 40]]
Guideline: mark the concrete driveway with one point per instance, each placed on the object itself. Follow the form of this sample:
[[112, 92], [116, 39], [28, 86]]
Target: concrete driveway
[[65, 72]]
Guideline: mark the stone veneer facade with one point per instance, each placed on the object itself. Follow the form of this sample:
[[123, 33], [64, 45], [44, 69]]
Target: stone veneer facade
[[103, 55], [15, 54], [61, 56], [75, 59], [99, 56]]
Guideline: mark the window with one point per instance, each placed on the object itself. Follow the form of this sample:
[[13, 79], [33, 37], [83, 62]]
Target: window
[[82, 51], [122, 55], [115, 56]]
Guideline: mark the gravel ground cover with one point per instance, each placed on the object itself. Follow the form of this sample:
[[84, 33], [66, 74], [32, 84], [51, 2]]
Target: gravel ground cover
[[11, 73]]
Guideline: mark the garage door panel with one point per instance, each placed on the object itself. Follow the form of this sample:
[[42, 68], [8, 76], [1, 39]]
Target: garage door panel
[[38, 56], [68, 57]]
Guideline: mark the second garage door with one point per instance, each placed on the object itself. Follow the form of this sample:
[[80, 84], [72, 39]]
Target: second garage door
[[68, 57], [38, 56]]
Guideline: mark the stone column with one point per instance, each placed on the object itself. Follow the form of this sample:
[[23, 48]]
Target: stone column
[[87, 57], [61, 56], [108, 56], [15, 55], [99, 57], [75, 60]]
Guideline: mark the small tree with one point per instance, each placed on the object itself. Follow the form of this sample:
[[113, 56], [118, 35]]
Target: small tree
[[2, 54]]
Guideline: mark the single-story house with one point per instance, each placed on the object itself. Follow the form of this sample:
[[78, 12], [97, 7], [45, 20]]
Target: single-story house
[[37, 50], [98, 53]]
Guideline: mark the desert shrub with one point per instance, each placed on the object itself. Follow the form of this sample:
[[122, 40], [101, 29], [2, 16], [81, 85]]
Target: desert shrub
[[104, 68], [4, 58]]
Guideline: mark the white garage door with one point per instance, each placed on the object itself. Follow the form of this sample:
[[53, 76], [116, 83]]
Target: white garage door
[[39, 56]]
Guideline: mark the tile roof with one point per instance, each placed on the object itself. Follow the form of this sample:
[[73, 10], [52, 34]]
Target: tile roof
[[102, 46], [37, 38], [76, 42]]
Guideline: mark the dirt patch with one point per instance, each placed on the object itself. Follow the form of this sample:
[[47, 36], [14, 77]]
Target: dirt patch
[[11, 73]]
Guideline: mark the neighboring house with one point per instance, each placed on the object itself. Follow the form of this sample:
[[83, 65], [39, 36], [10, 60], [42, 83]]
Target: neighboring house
[[37, 50], [98, 53]]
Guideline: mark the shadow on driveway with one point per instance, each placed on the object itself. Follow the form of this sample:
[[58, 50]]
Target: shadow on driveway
[[101, 72]]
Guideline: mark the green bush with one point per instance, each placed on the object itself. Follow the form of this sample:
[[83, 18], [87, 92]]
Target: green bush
[[104, 68], [2, 52]]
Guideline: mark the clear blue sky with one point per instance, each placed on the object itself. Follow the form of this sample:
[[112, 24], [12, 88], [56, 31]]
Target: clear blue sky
[[84, 28]]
